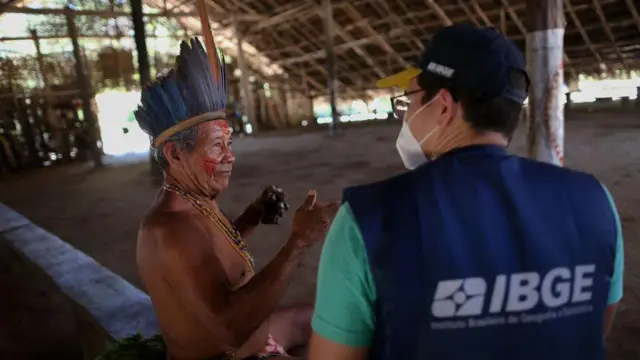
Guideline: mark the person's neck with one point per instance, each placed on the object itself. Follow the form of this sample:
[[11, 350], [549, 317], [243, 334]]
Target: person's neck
[[189, 187], [469, 138]]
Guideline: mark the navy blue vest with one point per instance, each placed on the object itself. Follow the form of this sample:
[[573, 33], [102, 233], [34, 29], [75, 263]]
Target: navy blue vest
[[486, 256]]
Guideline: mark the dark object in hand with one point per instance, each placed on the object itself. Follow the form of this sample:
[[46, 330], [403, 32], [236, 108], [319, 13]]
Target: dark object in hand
[[274, 205]]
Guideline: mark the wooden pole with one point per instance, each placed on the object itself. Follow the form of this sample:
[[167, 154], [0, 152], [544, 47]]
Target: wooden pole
[[331, 62], [248, 102], [85, 91], [140, 38], [545, 24], [144, 69], [58, 126]]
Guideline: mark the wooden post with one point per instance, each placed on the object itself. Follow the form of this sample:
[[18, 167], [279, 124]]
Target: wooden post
[[140, 38], [545, 24], [28, 133], [85, 91], [246, 89], [503, 21], [311, 112], [331, 61], [285, 90], [58, 126]]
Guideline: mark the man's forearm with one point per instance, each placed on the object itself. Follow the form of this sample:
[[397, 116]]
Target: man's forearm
[[247, 222], [250, 305]]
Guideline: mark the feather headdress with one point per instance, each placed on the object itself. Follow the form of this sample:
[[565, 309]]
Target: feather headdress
[[192, 93]]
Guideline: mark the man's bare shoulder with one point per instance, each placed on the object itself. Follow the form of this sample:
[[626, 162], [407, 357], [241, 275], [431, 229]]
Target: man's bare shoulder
[[174, 231]]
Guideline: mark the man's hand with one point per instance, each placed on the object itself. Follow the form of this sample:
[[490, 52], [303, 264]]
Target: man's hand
[[312, 220], [272, 204]]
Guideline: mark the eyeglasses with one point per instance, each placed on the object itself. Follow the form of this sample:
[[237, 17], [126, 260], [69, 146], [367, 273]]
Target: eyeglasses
[[400, 103]]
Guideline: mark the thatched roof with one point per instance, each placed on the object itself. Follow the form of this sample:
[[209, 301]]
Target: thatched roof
[[376, 37]]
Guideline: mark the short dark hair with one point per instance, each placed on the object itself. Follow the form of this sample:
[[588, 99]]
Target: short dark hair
[[185, 140], [484, 112]]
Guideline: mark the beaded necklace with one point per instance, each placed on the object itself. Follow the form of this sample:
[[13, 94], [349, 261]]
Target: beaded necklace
[[232, 234]]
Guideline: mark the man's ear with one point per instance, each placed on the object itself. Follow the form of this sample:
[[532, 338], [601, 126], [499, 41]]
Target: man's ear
[[171, 153], [450, 107]]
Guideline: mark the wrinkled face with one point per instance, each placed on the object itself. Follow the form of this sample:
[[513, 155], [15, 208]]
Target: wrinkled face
[[208, 166]]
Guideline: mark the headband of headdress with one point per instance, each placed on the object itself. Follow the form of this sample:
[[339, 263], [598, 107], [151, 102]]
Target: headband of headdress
[[192, 93]]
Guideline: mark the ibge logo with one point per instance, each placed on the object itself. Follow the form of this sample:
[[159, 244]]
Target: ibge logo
[[512, 293]]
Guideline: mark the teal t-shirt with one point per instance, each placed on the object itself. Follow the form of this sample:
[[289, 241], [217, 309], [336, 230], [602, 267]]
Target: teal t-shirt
[[346, 294]]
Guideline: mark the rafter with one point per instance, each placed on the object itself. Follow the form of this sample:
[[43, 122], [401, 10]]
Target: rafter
[[315, 65], [444, 19], [607, 30], [514, 17], [583, 33], [481, 13], [634, 13], [281, 17], [354, 14], [468, 12], [358, 50], [405, 33]]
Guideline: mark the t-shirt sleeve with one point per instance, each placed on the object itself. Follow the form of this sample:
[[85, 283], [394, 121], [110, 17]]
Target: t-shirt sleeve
[[615, 291], [346, 293]]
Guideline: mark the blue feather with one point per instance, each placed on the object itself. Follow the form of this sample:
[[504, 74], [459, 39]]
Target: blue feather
[[189, 90]]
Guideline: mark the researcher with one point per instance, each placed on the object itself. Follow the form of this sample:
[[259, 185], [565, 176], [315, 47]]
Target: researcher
[[472, 253]]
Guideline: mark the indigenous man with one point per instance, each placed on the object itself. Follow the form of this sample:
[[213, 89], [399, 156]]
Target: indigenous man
[[473, 253], [209, 300]]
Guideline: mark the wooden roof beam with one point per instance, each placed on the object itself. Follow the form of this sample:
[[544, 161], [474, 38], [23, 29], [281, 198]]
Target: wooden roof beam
[[354, 14], [440, 14], [249, 10], [634, 12], [319, 54], [281, 16], [94, 13], [314, 9], [607, 30], [410, 39], [358, 50], [523, 30], [398, 19], [583, 33], [468, 12], [481, 13]]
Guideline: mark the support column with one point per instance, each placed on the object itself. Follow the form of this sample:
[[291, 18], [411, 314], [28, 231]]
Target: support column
[[331, 73], [58, 126], [140, 37], [545, 24], [311, 112], [286, 94], [144, 70], [84, 86], [245, 87]]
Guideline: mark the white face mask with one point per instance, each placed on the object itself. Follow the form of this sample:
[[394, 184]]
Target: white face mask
[[409, 148]]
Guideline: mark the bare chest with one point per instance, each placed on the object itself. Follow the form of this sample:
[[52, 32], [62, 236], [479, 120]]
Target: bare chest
[[228, 253]]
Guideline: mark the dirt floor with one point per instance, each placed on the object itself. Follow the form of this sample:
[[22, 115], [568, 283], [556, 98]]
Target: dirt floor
[[98, 211]]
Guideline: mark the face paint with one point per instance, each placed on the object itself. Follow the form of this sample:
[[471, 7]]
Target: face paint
[[210, 166], [218, 152], [223, 126]]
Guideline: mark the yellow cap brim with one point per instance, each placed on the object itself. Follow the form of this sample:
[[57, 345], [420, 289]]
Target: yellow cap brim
[[400, 79]]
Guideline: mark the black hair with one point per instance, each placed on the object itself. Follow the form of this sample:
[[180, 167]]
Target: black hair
[[484, 112]]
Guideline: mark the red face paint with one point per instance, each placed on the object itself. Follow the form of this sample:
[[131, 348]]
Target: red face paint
[[223, 126], [217, 152], [210, 166]]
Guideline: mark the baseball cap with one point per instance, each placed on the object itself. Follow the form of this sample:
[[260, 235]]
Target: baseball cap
[[477, 59]]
